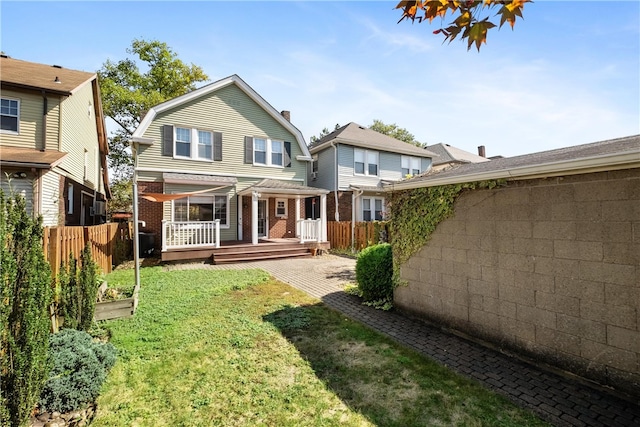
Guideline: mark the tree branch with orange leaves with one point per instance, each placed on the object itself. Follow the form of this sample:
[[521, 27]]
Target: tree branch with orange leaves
[[469, 22]]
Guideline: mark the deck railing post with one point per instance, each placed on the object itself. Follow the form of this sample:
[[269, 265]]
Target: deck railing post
[[318, 236], [217, 222], [165, 234]]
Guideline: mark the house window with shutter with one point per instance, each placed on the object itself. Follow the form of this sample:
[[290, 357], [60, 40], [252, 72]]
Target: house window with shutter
[[267, 152], [192, 144], [9, 115]]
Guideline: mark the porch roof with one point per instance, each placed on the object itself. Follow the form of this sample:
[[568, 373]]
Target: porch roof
[[274, 187], [29, 157]]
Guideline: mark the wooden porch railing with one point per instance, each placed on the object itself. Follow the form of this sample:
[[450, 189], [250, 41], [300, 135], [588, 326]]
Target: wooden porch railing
[[60, 242], [188, 234], [366, 234]]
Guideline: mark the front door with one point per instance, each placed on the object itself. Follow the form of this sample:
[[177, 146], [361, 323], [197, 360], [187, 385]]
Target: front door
[[263, 219]]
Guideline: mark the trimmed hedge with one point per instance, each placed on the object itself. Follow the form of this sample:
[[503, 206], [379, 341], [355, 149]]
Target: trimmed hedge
[[374, 273]]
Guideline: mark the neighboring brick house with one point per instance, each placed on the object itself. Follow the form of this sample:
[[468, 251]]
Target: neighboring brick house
[[53, 145], [546, 266], [222, 154], [353, 162]]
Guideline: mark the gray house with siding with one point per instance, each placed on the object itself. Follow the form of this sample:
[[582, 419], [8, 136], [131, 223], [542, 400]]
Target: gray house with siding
[[53, 145], [353, 162], [220, 164]]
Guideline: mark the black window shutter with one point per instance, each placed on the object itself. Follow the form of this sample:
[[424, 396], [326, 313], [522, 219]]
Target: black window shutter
[[287, 154], [248, 149], [167, 140], [217, 146]]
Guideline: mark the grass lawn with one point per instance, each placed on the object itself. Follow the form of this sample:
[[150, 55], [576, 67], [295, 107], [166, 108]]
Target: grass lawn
[[236, 348]]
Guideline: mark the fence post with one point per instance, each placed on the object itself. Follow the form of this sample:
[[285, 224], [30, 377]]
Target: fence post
[[53, 256]]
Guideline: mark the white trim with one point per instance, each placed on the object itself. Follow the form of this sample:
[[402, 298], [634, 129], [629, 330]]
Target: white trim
[[17, 131], [212, 87], [286, 208], [607, 162], [203, 172]]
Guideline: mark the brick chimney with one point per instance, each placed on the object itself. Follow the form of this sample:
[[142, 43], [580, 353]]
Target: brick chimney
[[481, 151], [286, 114]]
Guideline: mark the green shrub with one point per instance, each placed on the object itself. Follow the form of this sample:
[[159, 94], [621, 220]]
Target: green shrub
[[79, 288], [80, 366], [374, 274], [25, 300]]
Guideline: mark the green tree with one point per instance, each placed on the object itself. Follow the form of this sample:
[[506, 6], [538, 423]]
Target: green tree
[[469, 20], [25, 299], [323, 133], [128, 92], [396, 132], [121, 195]]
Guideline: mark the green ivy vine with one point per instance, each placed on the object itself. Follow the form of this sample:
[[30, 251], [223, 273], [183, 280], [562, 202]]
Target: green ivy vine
[[414, 215]]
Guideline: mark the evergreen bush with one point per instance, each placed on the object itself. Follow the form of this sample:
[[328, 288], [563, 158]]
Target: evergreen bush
[[25, 299], [80, 366], [79, 288], [374, 273]]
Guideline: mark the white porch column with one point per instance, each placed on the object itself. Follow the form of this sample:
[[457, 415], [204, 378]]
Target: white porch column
[[323, 217], [254, 217], [297, 216]]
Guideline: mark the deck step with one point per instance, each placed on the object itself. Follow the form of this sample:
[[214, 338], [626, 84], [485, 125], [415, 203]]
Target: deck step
[[257, 256]]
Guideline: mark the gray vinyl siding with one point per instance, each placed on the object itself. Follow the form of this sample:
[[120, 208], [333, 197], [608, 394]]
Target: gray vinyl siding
[[426, 164], [390, 166], [326, 171], [21, 186], [229, 111], [79, 133], [50, 199]]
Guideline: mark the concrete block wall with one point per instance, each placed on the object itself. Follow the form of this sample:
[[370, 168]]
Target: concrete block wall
[[548, 268]]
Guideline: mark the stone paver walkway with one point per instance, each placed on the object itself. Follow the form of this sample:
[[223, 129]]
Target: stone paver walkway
[[557, 399]]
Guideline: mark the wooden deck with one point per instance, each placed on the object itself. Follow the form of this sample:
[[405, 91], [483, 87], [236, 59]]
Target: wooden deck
[[238, 251]]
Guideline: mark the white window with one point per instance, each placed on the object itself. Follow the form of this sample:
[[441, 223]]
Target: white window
[[202, 208], [281, 208], [365, 162], [70, 199], [9, 115], [268, 152], [372, 209], [411, 165], [193, 143]]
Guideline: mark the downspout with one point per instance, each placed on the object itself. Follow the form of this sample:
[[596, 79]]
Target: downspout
[[45, 110], [136, 243], [335, 181], [354, 197]]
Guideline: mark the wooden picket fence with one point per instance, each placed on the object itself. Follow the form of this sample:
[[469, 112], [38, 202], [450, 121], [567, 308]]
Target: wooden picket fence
[[366, 234], [60, 242]]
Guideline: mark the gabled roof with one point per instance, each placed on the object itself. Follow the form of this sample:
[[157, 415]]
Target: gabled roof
[[449, 154], [34, 76], [620, 153], [360, 136], [212, 87]]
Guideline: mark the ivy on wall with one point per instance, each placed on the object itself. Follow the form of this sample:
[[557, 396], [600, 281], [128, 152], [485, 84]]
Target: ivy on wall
[[414, 215]]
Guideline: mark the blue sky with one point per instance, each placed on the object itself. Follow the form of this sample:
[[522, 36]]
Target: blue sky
[[568, 74]]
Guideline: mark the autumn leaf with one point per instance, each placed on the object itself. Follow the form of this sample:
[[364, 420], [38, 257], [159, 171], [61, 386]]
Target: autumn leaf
[[478, 33]]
